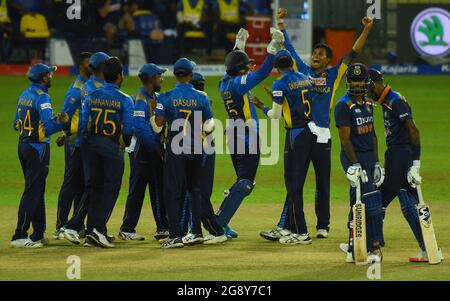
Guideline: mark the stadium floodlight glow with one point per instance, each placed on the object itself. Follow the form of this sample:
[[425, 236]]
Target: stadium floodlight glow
[[430, 32]]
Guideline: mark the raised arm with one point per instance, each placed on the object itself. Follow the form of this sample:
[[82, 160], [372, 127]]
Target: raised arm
[[361, 41]]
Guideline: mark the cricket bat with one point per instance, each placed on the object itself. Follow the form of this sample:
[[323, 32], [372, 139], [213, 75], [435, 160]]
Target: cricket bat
[[359, 228], [426, 224]]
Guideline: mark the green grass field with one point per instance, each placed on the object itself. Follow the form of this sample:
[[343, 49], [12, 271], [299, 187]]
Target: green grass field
[[248, 257]]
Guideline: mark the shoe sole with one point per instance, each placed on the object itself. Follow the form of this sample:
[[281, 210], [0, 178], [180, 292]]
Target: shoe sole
[[35, 246], [68, 238], [98, 243], [194, 242], [297, 243], [214, 241], [175, 246], [268, 237], [321, 236]]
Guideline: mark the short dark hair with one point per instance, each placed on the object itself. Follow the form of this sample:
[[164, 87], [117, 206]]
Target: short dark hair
[[82, 56], [327, 48], [143, 77], [112, 69], [284, 62]]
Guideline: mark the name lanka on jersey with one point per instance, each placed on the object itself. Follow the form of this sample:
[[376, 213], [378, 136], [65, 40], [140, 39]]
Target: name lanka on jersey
[[184, 102], [97, 102]]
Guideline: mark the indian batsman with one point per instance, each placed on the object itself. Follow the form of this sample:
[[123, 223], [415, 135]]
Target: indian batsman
[[402, 157], [291, 97], [107, 124], [72, 186], [75, 225], [359, 157], [35, 123], [188, 114], [325, 80], [146, 162], [243, 132]]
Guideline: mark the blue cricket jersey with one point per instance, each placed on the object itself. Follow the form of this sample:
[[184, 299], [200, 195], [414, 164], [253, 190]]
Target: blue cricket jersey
[[34, 115], [324, 84], [235, 93], [395, 112], [108, 112], [293, 91], [72, 106], [181, 108], [146, 137], [359, 117]]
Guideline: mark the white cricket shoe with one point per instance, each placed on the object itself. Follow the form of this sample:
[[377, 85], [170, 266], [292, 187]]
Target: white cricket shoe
[[275, 234], [322, 233], [192, 239], [344, 247], [211, 239], [99, 239], [26, 243], [130, 236], [349, 257], [172, 243], [72, 236], [422, 256], [59, 234], [295, 239]]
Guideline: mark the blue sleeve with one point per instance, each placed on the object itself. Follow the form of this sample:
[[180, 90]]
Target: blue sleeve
[[142, 128], [278, 92], [84, 116], [72, 102], [207, 113], [180, 6], [215, 7], [401, 109], [44, 108], [16, 118], [300, 66], [247, 82], [127, 117], [342, 115], [346, 60], [160, 107]]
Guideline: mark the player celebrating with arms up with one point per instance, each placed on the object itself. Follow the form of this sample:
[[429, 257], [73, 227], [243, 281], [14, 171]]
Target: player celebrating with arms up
[[359, 157], [243, 136], [325, 81], [402, 158], [292, 99]]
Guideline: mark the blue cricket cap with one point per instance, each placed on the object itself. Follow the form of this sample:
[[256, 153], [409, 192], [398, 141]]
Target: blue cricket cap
[[151, 70], [283, 53], [183, 66], [98, 58], [36, 72], [198, 77]]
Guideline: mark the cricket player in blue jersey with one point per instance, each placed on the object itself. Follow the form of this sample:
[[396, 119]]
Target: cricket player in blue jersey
[[75, 225], [72, 186], [325, 81], [35, 123], [107, 124], [291, 97], [402, 157], [243, 131], [359, 157], [188, 114], [146, 159]]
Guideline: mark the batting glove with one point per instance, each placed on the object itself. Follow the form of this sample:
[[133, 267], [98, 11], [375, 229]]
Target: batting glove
[[241, 39], [414, 177], [378, 175], [353, 174]]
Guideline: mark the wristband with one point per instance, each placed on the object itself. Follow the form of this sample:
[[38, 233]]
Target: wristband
[[265, 110]]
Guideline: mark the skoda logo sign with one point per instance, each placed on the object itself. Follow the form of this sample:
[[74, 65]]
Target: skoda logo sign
[[430, 32]]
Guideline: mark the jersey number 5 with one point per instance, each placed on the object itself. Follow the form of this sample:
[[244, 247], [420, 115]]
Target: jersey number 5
[[306, 102], [105, 121]]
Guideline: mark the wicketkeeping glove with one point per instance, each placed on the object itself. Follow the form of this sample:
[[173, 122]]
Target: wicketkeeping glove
[[277, 41], [414, 177], [378, 175], [241, 39]]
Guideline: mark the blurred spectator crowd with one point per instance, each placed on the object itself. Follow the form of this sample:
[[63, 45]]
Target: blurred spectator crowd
[[167, 28]]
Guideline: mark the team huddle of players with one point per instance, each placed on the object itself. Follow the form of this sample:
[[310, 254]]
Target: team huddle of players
[[100, 123]]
